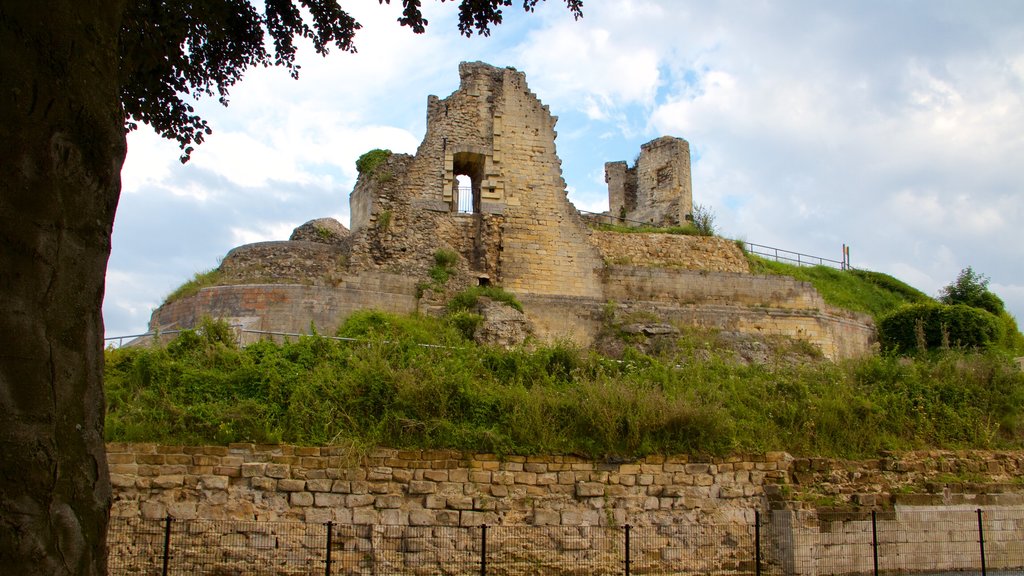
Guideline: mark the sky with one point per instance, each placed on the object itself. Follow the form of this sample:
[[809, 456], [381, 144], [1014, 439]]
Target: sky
[[896, 128]]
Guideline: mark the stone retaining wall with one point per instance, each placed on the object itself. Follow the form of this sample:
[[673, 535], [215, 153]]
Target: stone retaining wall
[[708, 253], [422, 509], [289, 307]]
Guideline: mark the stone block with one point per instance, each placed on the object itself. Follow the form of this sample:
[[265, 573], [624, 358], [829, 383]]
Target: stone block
[[291, 485], [459, 502], [253, 469], [264, 484], [169, 481], [359, 500], [546, 518], [436, 475], [435, 502], [328, 500], [394, 517], [365, 516], [319, 485], [422, 518], [278, 470], [587, 489], [389, 501], [153, 510], [122, 480], [214, 482], [300, 498]]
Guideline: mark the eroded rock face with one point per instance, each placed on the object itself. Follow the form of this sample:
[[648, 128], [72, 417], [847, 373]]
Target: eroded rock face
[[323, 230], [502, 325]]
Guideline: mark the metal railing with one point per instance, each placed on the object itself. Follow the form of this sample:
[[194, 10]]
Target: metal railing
[[465, 203], [791, 257], [784, 543]]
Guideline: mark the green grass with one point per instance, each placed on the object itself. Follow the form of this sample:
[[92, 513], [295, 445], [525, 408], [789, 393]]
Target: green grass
[[387, 390], [872, 293], [198, 281], [687, 230]]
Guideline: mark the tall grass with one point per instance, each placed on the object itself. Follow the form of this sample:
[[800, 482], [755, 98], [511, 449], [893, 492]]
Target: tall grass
[[872, 293], [389, 390]]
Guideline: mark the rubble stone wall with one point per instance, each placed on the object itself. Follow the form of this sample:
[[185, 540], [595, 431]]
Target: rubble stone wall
[[393, 506], [288, 307], [440, 487], [285, 262], [709, 253]]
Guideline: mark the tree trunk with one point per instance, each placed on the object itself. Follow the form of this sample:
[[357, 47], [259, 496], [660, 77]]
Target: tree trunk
[[61, 149]]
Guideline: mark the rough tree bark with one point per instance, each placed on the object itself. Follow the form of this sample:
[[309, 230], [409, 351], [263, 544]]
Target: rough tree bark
[[61, 148]]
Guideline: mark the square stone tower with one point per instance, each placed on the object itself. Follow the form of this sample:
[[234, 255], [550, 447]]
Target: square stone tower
[[657, 190]]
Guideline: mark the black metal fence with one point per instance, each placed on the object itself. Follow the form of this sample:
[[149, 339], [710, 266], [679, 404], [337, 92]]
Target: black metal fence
[[780, 543]]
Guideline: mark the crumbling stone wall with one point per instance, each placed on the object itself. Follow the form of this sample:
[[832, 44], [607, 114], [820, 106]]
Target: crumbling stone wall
[[521, 230], [287, 262], [708, 253], [289, 307], [657, 190]]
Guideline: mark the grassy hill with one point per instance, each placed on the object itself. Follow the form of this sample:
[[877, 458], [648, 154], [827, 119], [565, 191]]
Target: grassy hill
[[389, 390], [872, 293]]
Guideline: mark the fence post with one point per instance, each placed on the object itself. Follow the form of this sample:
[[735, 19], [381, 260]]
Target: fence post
[[167, 544], [981, 540], [483, 550], [874, 539], [757, 543], [627, 527], [330, 530]]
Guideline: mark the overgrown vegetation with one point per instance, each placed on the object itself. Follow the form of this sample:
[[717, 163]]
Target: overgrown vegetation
[[368, 162], [389, 390], [872, 293], [468, 298], [192, 286], [967, 315], [687, 230], [444, 266], [909, 321]]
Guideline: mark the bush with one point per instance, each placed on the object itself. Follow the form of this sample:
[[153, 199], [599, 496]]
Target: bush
[[368, 163], [468, 298], [929, 326], [444, 262]]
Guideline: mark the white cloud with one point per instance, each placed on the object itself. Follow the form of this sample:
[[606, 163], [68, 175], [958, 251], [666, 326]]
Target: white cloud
[[896, 128]]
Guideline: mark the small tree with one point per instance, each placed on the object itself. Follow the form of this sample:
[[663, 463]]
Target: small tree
[[971, 288]]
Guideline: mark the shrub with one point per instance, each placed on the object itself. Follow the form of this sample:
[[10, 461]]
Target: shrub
[[703, 220], [368, 162], [444, 262], [936, 325], [468, 298]]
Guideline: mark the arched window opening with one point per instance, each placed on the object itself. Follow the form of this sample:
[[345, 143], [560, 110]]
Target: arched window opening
[[469, 174]]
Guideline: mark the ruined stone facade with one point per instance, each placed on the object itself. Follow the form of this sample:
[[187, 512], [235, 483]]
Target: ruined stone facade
[[517, 229], [512, 226], [657, 190]]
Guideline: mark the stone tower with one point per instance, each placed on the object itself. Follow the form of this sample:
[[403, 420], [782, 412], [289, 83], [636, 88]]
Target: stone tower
[[657, 190], [514, 224]]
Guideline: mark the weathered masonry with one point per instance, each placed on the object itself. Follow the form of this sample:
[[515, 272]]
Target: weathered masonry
[[486, 184], [657, 190], [384, 505]]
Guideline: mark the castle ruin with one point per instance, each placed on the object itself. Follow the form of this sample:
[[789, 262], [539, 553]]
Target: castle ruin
[[657, 190], [486, 184]]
